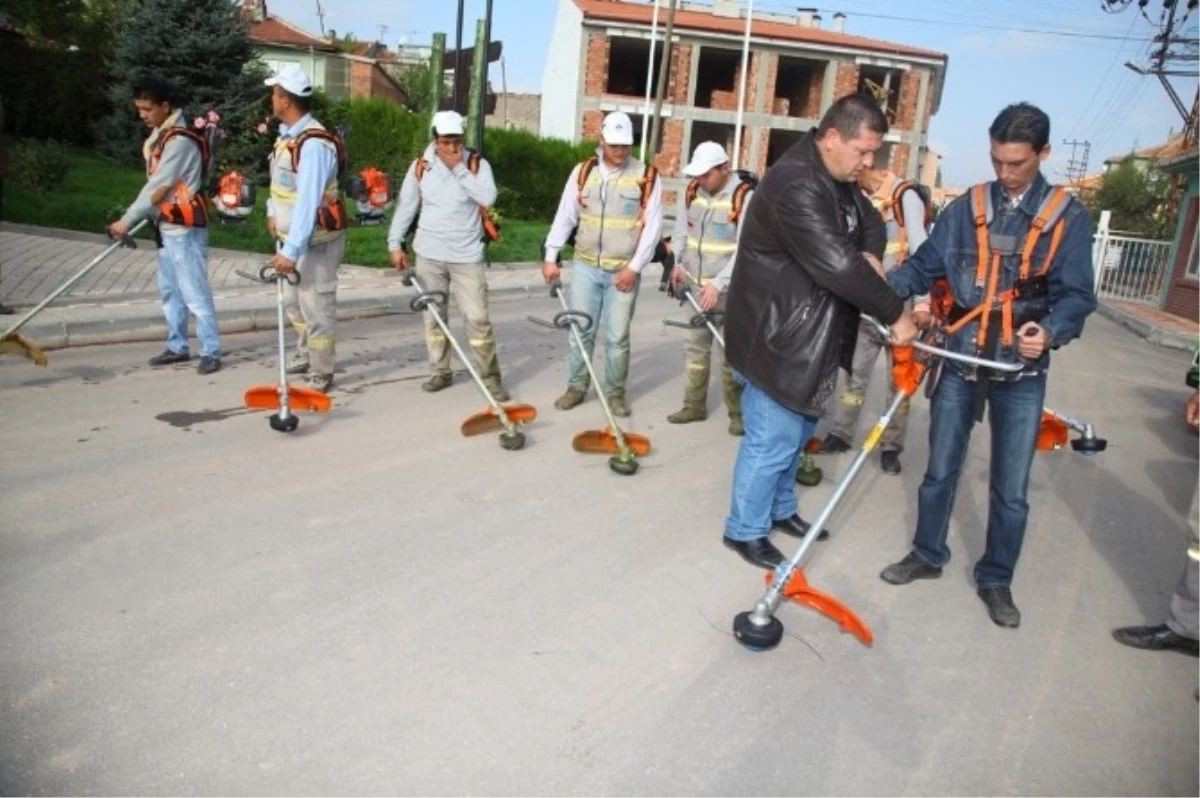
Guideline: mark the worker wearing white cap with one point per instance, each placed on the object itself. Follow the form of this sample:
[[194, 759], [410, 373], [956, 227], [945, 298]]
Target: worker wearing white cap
[[307, 219], [612, 208], [707, 224], [448, 191]]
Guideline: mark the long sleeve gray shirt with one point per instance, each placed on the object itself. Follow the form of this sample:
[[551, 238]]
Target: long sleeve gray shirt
[[450, 228], [180, 161]]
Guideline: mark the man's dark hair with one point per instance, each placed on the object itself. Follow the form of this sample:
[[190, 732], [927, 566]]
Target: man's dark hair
[[1022, 123], [850, 114], [303, 104], [154, 89]]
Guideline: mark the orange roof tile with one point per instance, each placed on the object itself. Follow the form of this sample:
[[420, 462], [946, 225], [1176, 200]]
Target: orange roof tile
[[642, 13]]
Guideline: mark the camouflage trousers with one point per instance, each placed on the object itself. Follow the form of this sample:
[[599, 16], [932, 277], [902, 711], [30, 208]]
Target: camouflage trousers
[[697, 367], [466, 285], [850, 401], [312, 305]]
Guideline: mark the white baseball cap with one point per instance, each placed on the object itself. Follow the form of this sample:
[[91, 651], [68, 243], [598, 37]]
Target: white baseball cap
[[617, 129], [706, 156], [447, 123], [291, 79]]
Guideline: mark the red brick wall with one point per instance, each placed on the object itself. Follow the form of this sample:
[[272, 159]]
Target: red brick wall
[[595, 75], [928, 106], [812, 108], [899, 160], [764, 140], [592, 120], [757, 65], [368, 80], [681, 70], [1183, 297], [906, 111], [846, 81], [669, 158]]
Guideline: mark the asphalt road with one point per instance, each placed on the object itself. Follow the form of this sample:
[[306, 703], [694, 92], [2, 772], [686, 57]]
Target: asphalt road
[[194, 604]]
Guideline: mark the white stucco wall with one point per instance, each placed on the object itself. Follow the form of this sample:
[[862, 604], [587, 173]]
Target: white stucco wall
[[560, 78]]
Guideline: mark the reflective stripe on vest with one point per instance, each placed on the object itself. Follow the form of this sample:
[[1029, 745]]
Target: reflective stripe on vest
[[610, 222], [283, 190], [712, 234]]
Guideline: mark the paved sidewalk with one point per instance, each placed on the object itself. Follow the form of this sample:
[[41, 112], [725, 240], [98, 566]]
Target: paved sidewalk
[[118, 300], [1156, 326]]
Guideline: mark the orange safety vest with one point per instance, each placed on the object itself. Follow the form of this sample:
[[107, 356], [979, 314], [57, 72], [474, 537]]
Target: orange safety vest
[[988, 266], [491, 230], [183, 207]]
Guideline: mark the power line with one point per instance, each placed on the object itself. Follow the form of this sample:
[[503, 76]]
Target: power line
[[1076, 168], [1040, 32], [1100, 85]]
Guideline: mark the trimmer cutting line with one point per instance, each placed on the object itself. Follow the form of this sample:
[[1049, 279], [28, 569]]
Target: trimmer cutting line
[[759, 629], [624, 447], [14, 343], [283, 398], [497, 417]]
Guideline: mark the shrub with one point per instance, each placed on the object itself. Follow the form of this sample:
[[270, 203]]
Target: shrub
[[530, 171], [39, 166], [381, 134]]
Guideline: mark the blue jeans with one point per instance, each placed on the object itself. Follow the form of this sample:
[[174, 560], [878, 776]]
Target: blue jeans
[[1015, 414], [764, 476], [183, 286], [592, 291]]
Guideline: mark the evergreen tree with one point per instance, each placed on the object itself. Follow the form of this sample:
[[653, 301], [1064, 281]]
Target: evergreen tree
[[202, 49]]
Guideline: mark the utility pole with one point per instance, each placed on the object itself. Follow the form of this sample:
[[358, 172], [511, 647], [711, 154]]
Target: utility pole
[[321, 18], [458, 55], [664, 68], [1173, 49], [1077, 166], [437, 72]]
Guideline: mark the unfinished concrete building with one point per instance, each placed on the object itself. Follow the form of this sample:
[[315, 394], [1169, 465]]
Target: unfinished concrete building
[[599, 61]]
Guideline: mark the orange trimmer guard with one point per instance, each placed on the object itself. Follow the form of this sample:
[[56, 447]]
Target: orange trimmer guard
[[798, 590], [1053, 434], [266, 397], [604, 442], [489, 421]]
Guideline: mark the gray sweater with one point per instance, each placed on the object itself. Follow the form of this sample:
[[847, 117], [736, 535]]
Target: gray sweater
[[180, 161], [449, 229]]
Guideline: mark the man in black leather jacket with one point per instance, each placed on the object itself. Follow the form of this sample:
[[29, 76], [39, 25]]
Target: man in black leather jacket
[[807, 263]]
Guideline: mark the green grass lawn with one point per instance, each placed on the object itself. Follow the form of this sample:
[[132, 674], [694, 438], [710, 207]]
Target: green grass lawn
[[96, 191]]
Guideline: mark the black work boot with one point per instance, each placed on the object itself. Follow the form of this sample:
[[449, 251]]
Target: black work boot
[[908, 569], [759, 551], [833, 444], [796, 526], [1156, 638], [1000, 606], [169, 358]]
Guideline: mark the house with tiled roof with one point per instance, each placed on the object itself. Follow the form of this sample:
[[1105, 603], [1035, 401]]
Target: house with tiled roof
[[599, 61], [358, 73]]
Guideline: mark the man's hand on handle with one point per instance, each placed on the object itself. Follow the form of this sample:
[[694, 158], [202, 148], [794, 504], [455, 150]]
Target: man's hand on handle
[[1032, 340], [709, 295], [399, 259], [904, 331], [551, 271]]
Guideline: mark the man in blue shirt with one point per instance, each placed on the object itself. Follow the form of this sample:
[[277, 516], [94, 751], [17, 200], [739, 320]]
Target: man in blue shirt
[[1025, 293], [307, 218]]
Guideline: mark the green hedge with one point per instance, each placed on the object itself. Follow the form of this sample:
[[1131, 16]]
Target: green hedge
[[50, 93], [531, 171]]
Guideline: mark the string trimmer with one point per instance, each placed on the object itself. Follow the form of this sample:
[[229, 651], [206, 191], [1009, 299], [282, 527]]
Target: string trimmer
[[283, 398], [14, 343], [497, 416], [808, 474], [759, 629], [624, 447]]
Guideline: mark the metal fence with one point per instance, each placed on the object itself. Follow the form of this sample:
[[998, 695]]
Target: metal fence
[[1130, 268]]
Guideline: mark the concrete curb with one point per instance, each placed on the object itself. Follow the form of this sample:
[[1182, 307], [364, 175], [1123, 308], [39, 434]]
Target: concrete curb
[[142, 320], [1164, 338]]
